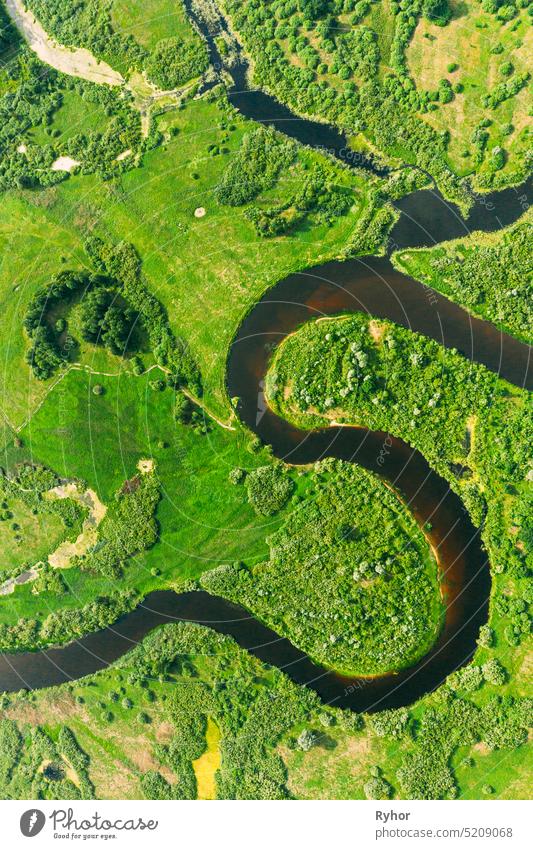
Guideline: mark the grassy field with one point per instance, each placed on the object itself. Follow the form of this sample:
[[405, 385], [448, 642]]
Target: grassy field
[[207, 272], [33, 539], [468, 42], [75, 115], [148, 21], [204, 520]]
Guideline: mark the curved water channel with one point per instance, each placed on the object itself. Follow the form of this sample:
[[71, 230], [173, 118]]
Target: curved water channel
[[372, 285]]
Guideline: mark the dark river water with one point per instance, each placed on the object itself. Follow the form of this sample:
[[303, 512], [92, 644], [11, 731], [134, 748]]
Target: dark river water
[[372, 285]]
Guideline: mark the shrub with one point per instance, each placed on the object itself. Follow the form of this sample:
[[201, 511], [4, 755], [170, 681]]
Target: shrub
[[486, 636], [469, 678], [377, 788], [269, 489], [262, 155], [236, 476], [306, 740], [494, 672]]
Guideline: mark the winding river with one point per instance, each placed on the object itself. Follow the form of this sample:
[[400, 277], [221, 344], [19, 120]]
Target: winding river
[[373, 285]]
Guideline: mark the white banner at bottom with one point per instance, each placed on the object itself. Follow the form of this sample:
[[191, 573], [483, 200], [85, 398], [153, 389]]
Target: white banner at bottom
[[264, 825]]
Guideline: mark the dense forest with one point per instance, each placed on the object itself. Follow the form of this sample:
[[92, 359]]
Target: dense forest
[[356, 589]]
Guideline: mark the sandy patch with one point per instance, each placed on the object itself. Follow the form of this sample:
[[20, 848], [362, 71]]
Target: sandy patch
[[114, 779], [77, 62], [146, 466], [138, 749], [61, 557], [56, 707], [164, 732], [199, 212], [65, 163], [377, 330], [124, 155], [28, 575]]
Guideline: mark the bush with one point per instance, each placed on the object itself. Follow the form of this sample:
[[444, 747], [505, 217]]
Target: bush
[[262, 155], [486, 636], [494, 672], [377, 788], [390, 723], [469, 678], [269, 489], [306, 740], [236, 476]]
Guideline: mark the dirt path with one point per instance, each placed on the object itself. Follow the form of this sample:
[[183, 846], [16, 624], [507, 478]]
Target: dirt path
[[77, 62]]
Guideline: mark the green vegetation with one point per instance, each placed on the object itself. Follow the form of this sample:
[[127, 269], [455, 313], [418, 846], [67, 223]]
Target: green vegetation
[[177, 677], [490, 275], [150, 21], [268, 489], [128, 527], [106, 316], [472, 427], [68, 117], [354, 588], [256, 166], [32, 525], [102, 320], [379, 70], [122, 288], [206, 273], [100, 440], [112, 31], [276, 739], [174, 61], [66, 623]]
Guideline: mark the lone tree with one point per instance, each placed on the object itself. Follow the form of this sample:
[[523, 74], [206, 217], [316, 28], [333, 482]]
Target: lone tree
[[306, 740]]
